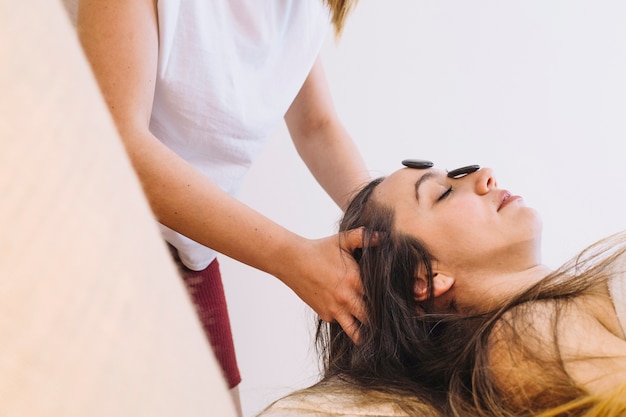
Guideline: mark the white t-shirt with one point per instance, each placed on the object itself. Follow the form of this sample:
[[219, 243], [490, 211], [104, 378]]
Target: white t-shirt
[[228, 71]]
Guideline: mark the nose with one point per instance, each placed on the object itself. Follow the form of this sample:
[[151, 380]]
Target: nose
[[485, 180]]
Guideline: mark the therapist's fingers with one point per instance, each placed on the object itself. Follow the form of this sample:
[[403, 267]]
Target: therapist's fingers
[[349, 308], [351, 323], [354, 239], [327, 278], [351, 326]]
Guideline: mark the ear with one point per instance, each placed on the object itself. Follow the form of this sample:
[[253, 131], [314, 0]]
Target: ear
[[441, 285]]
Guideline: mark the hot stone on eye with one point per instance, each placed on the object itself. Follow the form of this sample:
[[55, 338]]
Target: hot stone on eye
[[463, 171]]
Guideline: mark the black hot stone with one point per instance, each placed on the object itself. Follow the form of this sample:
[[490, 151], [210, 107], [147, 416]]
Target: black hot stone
[[417, 163]]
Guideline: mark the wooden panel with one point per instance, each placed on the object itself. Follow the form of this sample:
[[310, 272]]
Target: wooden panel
[[94, 320]]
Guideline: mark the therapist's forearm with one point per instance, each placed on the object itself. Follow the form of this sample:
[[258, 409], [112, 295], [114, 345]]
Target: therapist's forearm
[[187, 202], [335, 162], [120, 39], [322, 141]]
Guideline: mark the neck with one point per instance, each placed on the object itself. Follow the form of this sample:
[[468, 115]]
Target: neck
[[483, 290]]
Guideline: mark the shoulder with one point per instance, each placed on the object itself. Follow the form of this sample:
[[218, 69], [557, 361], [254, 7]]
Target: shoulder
[[544, 344], [521, 342], [617, 288], [340, 399]]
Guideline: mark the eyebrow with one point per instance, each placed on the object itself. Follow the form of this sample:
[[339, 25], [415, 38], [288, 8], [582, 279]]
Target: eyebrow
[[427, 176]]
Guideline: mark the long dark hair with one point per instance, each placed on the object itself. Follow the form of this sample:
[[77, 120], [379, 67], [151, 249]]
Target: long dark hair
[[408, 350]]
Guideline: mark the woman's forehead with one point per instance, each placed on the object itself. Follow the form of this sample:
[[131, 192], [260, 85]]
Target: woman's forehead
[[406, 179], [409, 175]]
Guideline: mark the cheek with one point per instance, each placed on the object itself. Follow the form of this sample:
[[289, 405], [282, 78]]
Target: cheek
[[447, 237], [460, 233], [469, 234], [467, 219]]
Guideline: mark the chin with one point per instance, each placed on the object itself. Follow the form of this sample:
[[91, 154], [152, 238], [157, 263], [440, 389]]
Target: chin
[[534, 223]]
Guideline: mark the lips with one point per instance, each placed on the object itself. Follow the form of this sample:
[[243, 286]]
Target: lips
[[506, 198]]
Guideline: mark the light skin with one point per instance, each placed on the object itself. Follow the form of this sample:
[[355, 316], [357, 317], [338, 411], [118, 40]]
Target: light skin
[[467, 223], [120, 39], [487, 247]]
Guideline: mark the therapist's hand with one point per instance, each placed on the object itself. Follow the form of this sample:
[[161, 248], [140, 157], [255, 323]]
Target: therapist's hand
[[328, 280]]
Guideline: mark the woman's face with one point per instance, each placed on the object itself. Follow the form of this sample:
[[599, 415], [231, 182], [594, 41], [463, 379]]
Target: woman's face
[[466, 222]]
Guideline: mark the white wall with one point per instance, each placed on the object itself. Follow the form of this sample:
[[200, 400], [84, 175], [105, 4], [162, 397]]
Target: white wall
[[533, 88]]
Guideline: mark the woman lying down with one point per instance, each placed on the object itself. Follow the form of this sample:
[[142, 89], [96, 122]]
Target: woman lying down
[[464, 319]]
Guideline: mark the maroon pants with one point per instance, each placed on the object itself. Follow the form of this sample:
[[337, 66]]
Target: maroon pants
[[207, 293]]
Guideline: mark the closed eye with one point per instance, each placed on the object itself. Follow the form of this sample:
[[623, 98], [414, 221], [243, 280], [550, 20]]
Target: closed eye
[[445, 194]]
